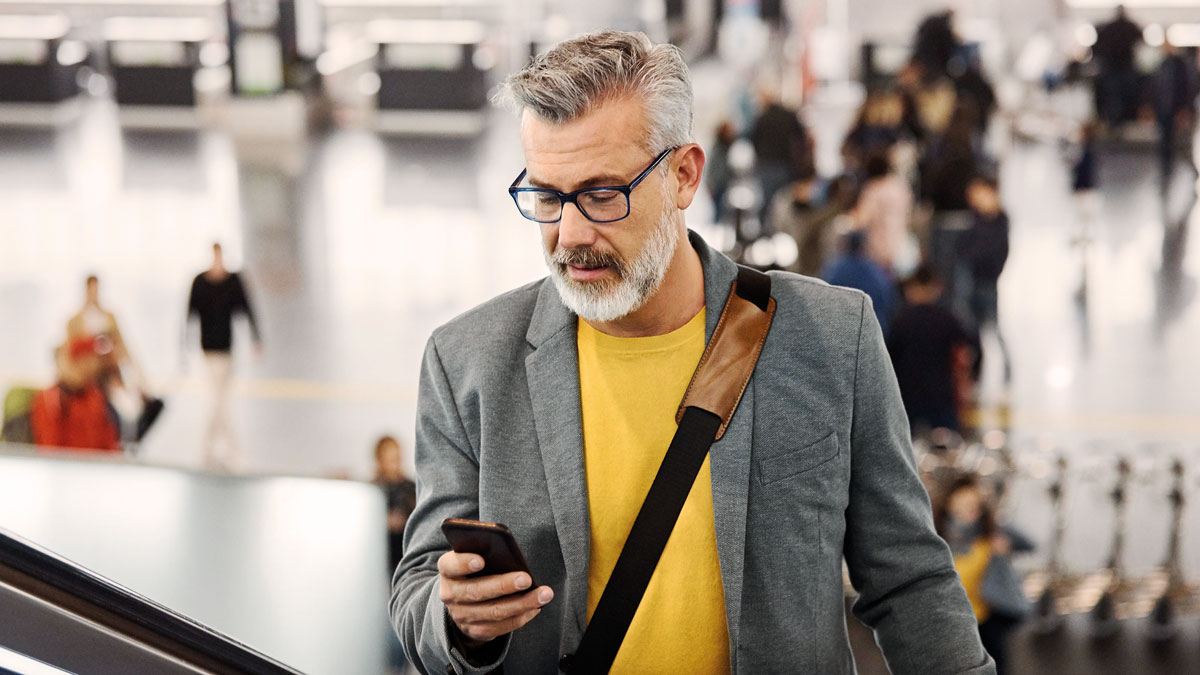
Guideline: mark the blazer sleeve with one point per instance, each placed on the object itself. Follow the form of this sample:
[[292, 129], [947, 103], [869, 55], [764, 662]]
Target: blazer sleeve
[[447, 487], [908, 590]]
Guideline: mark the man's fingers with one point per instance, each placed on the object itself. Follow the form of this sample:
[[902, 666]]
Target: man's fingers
[[483, 589], [485, 621], [487, 632], [458, 565]]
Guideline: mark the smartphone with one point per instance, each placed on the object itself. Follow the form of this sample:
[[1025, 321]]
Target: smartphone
[[493, 541]]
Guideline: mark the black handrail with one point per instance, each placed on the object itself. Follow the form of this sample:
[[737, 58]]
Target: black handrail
[[101, 600]]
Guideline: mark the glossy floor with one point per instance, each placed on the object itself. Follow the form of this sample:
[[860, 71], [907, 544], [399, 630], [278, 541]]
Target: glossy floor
[[353, 259]]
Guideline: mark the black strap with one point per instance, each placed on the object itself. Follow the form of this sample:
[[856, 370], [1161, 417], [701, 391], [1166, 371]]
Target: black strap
[[754, 286], [652, 527], [645, 544]]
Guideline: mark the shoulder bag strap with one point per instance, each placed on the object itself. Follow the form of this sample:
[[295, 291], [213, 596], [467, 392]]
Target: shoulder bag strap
[[707, 407]]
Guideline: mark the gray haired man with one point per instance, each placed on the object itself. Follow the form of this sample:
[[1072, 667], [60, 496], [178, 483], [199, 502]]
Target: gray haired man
[[551, 407]]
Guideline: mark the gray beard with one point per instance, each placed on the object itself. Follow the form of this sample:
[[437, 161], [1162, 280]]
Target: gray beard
[[636, 282]]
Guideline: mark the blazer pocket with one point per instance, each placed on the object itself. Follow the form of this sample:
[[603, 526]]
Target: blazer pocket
[[798, 461]]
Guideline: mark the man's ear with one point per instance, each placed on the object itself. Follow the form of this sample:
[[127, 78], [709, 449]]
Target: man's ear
[[688, 167]]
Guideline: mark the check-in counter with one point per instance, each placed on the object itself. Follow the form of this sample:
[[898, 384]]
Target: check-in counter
[[154, 60], [38, 61]]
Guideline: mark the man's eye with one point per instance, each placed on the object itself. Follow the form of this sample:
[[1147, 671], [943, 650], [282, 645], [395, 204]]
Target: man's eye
[[603, 197]]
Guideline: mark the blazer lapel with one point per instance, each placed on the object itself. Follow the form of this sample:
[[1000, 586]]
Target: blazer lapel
[[730, 456], [552, 371], [730, 461]]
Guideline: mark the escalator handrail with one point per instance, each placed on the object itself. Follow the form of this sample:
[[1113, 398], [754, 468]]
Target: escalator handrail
[[180, 634]]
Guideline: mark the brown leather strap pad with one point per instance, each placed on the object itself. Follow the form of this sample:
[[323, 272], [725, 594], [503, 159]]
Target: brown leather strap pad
[[729, 359]]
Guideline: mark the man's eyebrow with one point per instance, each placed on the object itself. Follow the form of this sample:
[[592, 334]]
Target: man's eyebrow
[[603, 180]]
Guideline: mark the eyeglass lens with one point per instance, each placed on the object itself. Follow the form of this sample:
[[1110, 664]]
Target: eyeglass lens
[[597, 205]]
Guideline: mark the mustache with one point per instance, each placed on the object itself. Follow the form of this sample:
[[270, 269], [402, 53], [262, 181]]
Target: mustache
[[588, 256]]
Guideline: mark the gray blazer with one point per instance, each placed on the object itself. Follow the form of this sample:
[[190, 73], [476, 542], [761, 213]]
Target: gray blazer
[[815, 465]]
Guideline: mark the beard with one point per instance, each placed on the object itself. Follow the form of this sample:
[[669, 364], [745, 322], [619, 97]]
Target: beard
[[635, 282]]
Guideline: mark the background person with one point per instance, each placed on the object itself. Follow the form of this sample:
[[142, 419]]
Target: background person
[[400, 490], [966, 519], [216, 296]]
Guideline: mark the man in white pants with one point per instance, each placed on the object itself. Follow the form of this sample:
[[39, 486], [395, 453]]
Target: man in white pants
[[217, 294]]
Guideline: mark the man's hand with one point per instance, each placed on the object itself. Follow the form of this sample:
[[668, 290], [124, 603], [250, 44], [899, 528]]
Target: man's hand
[[484, 608]]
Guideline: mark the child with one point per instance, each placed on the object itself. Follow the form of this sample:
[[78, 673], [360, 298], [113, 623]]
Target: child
[[967, 521]]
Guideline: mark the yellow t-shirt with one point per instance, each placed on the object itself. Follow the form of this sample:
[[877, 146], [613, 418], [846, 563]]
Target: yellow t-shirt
[[971, 567], [630, 389]]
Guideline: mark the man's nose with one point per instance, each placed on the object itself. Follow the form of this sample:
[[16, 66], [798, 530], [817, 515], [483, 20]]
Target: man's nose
[[574, 229]]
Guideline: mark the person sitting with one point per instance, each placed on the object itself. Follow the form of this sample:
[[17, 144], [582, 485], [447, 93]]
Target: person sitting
[[74, 413]]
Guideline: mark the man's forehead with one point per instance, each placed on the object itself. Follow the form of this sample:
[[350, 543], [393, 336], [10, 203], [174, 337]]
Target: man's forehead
[[604, 143]]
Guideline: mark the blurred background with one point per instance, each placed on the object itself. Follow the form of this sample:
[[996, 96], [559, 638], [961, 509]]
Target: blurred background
[[1012, 182]]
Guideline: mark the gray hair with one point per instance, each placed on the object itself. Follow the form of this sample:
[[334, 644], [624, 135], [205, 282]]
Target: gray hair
[[579, 74]]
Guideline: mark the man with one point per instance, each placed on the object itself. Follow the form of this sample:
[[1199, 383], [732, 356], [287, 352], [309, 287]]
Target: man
[[549, 409], [216, 295], [853, 269], [926, 344], [935, 44], [782, 152], [984, 254], [1117, 83], [1174, 98]]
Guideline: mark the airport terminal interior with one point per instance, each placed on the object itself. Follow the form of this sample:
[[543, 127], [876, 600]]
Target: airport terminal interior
[[348, 159]]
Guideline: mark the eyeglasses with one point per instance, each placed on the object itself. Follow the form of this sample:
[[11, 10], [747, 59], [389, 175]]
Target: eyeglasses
[[597, 204]]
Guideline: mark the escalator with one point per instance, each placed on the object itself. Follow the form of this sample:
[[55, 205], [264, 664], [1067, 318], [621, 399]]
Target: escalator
[[56, 616]]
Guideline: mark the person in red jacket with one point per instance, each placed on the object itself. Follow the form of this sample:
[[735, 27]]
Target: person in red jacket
[[74, 413]]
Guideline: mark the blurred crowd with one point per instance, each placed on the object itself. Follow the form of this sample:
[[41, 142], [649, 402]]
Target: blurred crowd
[[914, 218]]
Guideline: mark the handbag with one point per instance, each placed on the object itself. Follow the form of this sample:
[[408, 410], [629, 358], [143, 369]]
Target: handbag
[[1001, 589], [150, 412], [708, 405]]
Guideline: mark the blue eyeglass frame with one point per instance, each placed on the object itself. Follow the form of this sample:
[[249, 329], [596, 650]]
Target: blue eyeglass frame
[[565, 198]]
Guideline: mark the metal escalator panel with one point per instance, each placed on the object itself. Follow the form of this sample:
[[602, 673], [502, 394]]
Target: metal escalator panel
[[15, 663], [63, 615]]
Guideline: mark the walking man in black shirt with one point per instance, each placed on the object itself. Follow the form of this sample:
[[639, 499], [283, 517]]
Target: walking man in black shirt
[[215, 296]]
